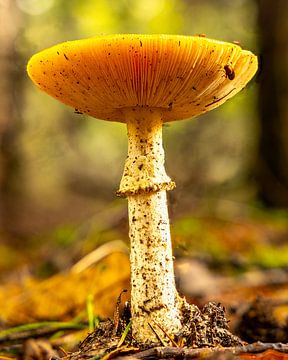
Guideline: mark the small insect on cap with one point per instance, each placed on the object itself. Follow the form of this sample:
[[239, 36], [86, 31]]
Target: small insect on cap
[[182, 75]]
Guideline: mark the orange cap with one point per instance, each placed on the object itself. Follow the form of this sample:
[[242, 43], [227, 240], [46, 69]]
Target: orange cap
[[182, 75]]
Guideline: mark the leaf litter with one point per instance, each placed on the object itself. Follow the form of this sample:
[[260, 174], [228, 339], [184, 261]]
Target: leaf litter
[[86, 296]]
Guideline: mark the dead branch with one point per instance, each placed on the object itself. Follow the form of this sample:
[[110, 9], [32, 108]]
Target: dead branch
[[171, 352]]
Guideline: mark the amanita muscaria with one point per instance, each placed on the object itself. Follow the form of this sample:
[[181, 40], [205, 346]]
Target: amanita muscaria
[[145, 81]]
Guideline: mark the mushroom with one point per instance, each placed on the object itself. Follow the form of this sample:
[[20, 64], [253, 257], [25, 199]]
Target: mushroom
[[145, 81]]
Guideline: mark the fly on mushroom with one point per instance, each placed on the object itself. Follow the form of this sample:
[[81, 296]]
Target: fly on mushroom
[[229, 72]]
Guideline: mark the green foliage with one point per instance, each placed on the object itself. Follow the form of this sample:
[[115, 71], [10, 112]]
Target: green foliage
[[194, 237], [258, 240], [93, 321], [65, 235], [124, 334], [53, 325], [269, 256]]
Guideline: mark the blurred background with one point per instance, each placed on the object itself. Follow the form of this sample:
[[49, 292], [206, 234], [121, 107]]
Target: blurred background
[[59, 171]]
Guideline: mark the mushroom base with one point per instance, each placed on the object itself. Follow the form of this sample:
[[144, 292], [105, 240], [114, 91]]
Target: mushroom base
[[202, 332]]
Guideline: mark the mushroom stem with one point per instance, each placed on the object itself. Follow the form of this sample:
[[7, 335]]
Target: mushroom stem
[[154, 299], [153, 292]]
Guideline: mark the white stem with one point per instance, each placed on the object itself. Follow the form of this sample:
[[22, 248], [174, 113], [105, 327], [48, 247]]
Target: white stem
[[154, 299], [153, 293]]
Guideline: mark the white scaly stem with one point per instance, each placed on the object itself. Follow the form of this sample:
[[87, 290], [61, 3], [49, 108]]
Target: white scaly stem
[[154, 299], [153, 292]]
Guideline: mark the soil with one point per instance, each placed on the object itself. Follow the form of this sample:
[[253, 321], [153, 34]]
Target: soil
[[205, 335]]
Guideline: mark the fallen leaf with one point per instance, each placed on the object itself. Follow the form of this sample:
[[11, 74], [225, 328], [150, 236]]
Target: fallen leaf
[[64, 296]]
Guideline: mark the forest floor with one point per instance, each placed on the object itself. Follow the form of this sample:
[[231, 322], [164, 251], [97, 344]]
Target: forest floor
[[58, 289]]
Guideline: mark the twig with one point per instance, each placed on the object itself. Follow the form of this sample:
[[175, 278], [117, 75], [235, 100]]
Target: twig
[[165, 332], [184, 353], [157, 335]]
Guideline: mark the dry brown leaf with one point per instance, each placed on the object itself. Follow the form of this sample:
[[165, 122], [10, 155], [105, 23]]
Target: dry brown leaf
[[38, 349], [267, 355], [64, 295]]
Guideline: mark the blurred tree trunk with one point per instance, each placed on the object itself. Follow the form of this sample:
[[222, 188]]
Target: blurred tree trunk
[[10, 89], [273, 103]]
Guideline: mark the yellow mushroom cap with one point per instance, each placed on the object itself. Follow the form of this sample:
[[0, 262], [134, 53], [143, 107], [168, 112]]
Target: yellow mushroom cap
[[183, 75]]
